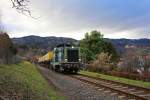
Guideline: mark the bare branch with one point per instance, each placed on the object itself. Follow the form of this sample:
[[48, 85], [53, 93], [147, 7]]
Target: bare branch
[[22, 6]]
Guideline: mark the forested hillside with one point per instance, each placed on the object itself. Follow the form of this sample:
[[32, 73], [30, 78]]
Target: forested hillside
[[48, 43], [42, 42]]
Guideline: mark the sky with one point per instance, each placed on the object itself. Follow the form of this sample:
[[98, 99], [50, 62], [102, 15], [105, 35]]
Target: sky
[[73, 18]]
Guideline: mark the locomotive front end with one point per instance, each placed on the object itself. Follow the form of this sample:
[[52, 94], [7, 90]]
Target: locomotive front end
[[72, 60], [67, 59]]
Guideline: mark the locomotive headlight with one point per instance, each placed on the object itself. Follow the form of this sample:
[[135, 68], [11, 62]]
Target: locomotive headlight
[[66, 60], [79, 59]]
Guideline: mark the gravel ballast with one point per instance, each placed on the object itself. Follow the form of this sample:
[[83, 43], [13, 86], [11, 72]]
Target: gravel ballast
[[74, 89]]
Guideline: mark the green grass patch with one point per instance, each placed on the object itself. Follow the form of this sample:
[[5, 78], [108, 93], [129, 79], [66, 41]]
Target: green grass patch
[[23, 81], [118, 79]]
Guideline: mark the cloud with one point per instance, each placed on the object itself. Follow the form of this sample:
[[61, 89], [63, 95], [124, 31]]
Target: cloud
[[72, 18]]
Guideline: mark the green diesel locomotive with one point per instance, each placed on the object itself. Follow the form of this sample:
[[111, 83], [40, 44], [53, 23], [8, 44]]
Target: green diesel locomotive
[[66, 58]]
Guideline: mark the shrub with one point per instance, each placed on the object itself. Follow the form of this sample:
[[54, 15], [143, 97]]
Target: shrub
[[7, 49], [101, 64]]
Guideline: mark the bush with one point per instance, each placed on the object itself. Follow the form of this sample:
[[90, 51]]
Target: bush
[[16, 59], [101, 64], [144, 77]]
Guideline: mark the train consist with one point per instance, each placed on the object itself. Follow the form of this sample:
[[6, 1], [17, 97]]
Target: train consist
[[64, 58]]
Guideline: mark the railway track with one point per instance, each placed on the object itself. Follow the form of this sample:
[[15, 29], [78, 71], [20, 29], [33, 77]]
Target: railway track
[[126, 91]]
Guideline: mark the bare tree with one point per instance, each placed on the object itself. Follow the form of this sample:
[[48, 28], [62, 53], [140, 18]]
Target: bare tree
[[1, 28], [22, 6], [135, 60], [7, 49]]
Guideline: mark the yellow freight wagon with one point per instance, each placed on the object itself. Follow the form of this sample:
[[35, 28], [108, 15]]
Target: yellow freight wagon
[[47, 57]]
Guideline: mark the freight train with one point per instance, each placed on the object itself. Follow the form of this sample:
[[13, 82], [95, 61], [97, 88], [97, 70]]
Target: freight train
[[64, 58]]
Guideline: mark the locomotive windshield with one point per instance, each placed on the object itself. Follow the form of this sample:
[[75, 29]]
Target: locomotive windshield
[[73, 55]]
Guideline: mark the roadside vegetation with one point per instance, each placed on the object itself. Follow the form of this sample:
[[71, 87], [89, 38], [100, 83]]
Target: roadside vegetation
[[22, 81], [101, 56], [94, 44], [117, 79], [7, 49]]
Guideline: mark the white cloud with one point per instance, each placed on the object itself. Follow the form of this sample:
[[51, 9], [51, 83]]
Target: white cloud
[[72, 18]]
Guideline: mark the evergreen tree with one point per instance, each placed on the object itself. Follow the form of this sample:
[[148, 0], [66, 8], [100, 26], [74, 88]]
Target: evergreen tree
[[95, 44]]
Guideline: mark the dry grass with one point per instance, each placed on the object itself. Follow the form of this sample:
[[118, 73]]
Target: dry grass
[[23, 82]]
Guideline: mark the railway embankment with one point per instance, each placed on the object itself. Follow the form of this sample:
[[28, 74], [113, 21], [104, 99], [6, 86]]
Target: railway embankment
[[117, 79], [24, 82]]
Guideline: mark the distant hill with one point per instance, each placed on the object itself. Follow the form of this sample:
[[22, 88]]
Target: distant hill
[[136, 42], [121, 44], [50, 42], [42, 42]]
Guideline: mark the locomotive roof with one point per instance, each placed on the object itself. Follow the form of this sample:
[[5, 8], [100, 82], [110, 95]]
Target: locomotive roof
[[64, 45]]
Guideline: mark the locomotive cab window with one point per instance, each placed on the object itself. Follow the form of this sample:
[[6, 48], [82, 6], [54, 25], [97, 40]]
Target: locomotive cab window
[[72, 55]]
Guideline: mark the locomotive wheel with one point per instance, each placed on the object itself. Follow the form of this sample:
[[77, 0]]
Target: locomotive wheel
[[56, 68], [75, 71], [61, 69]]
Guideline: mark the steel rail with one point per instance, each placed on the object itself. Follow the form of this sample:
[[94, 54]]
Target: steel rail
[[125, 84], [138, 97]]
